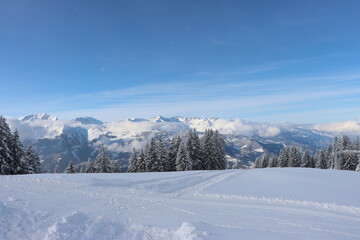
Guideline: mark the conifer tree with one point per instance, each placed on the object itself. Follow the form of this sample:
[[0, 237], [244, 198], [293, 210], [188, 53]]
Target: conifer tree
[[33, 160], [264, 160], [321, 160], [141, 167], [183, 161], [172, 153], [133, 162], [284, 157], [152, 163], [306, 160], [257, 163], [115, 167], [161, 155], [330, 156], [358, 166], [312, 162], [209, 150], [17, 153], [220, 163], [295, 157], [70, 168], [89, 168], [194, 149], [5, 152], [273, 160], [102, 162]]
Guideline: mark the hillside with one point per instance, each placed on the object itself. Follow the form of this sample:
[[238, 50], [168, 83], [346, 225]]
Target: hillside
[[233, 204]]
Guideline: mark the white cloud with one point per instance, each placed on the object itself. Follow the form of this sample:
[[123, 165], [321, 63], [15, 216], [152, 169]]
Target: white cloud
[[339, 127]]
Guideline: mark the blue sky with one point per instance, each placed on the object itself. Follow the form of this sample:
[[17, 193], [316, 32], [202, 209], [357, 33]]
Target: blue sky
[[270, 61]]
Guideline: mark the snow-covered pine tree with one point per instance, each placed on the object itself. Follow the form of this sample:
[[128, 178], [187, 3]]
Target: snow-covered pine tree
[[133, 162], [283, 160], [220, 151], [312, 162], [183, 161], [17, 153], [194, 149], [102, 162], [273, 160], [70, 168], [330, 156], [358, 165], [89, 168], [257, 163], [33, 161], [152, 162], [209, 150], [337, 158], [306, 160], [294, 157], [115, 167], [172, 153], [320, 159], [348, 161], [141, 167], [161, 155], [264, 160], [5, 146], [356, 144], [57, 168]]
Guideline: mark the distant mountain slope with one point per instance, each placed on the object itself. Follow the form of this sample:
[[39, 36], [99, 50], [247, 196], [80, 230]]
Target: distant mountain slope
[[77, 140]]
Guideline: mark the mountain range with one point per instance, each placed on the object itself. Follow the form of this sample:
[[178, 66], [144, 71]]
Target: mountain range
[[61, 141]]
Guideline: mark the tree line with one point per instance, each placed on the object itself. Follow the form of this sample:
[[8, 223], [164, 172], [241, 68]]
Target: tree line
[[102, 164], [181, 154], [14, 159], [342, 154]]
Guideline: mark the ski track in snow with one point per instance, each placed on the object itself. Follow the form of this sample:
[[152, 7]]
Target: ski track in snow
[[162, 206]]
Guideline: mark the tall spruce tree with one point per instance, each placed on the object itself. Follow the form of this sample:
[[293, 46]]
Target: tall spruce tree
[[151, 158], [194, 149], [17, 152], [5, 146], [209, 150], [320, 159], [70, 168], [183, 161], [294, 157], [133, 162], [33, 160], [141, 166], [264, 160], [257, 163], [358, 166], [161, 155], [102, 162], [89, 168], [284, 157], [273, 160], [330, 156], [306, 160], [172, 153], [221, 162]]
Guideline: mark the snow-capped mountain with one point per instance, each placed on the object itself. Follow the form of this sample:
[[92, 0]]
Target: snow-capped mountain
[[77, 140]]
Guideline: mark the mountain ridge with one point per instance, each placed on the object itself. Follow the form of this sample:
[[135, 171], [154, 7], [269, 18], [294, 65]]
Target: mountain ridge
[[61, 141]]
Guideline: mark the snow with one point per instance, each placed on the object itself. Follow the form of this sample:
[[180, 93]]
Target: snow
[[233, 204]]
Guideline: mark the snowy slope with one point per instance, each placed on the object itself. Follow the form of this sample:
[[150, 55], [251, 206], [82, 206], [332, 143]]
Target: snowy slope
[[233, 204]]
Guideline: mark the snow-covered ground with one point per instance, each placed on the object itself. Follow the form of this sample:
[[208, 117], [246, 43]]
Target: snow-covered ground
[[232, 204]]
